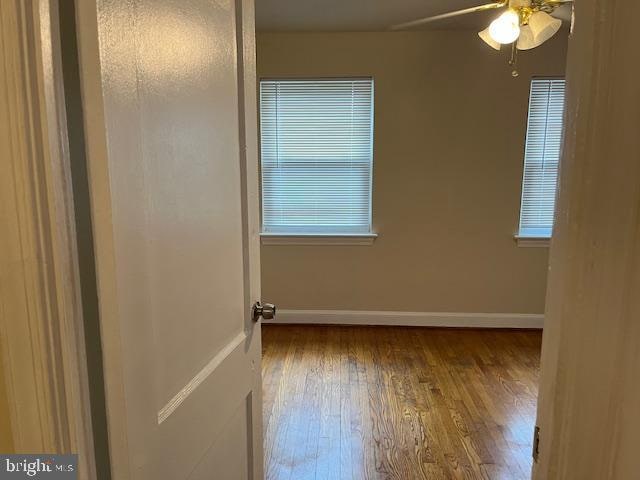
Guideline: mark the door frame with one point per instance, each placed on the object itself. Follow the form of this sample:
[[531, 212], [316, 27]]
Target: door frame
[[41, 319], [589, 361]]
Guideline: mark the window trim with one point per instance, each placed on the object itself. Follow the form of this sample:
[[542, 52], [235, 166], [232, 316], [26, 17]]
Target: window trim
[[319, 238], [529, 241]]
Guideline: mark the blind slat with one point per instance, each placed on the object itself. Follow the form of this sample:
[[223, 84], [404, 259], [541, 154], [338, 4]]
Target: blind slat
[[316, 152], [542, 154]]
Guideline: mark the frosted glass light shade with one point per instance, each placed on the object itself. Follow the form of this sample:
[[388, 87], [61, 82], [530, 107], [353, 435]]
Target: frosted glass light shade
[[486, 37], [505, 28], [543, 26], [526, 40]]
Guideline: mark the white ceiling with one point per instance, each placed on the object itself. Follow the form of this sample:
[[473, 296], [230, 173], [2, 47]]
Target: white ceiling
[[362, 15]]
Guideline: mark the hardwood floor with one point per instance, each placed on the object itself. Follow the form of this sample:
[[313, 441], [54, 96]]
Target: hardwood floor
[[398, 403]]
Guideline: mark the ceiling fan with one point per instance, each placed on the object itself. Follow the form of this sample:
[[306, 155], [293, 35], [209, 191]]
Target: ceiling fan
[[525, 24]]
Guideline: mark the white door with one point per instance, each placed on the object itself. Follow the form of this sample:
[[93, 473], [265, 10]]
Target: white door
[[168, 92]]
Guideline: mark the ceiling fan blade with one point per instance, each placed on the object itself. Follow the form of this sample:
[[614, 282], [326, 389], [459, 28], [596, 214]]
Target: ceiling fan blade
[[421, 21]]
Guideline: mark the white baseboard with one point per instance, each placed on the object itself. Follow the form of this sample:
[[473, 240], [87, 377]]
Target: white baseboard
[[409, 319]]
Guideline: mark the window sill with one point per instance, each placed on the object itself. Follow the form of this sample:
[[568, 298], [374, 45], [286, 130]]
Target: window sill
[[318, 239], [532, 241]]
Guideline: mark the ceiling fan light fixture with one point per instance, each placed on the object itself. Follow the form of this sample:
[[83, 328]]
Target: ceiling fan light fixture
[[486, 38], [543, 26], [506, 28], [526, 40]]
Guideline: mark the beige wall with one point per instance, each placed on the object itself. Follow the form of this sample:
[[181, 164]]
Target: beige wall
[[450, 125]]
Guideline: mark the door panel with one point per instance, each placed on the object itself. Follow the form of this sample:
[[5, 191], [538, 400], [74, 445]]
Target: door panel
[[169, 95], [223, 451], [191, 174]]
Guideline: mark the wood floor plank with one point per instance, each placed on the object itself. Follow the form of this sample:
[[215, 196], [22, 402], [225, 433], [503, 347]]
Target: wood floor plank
[[398, 403]]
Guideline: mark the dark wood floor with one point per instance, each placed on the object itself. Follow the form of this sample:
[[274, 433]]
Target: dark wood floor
[[398, 403]]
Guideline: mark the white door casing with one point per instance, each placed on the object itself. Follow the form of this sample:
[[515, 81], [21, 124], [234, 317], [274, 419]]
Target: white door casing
[[41, 318], [588, 405], [168, 91]]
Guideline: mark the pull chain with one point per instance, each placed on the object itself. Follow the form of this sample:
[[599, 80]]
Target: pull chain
[[513, 61]]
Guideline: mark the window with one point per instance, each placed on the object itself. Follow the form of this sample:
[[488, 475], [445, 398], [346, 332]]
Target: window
[[317, 155], [541, 157]]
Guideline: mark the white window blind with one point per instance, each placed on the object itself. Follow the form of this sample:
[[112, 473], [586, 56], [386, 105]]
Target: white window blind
[[542, 154], [317, 152]]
